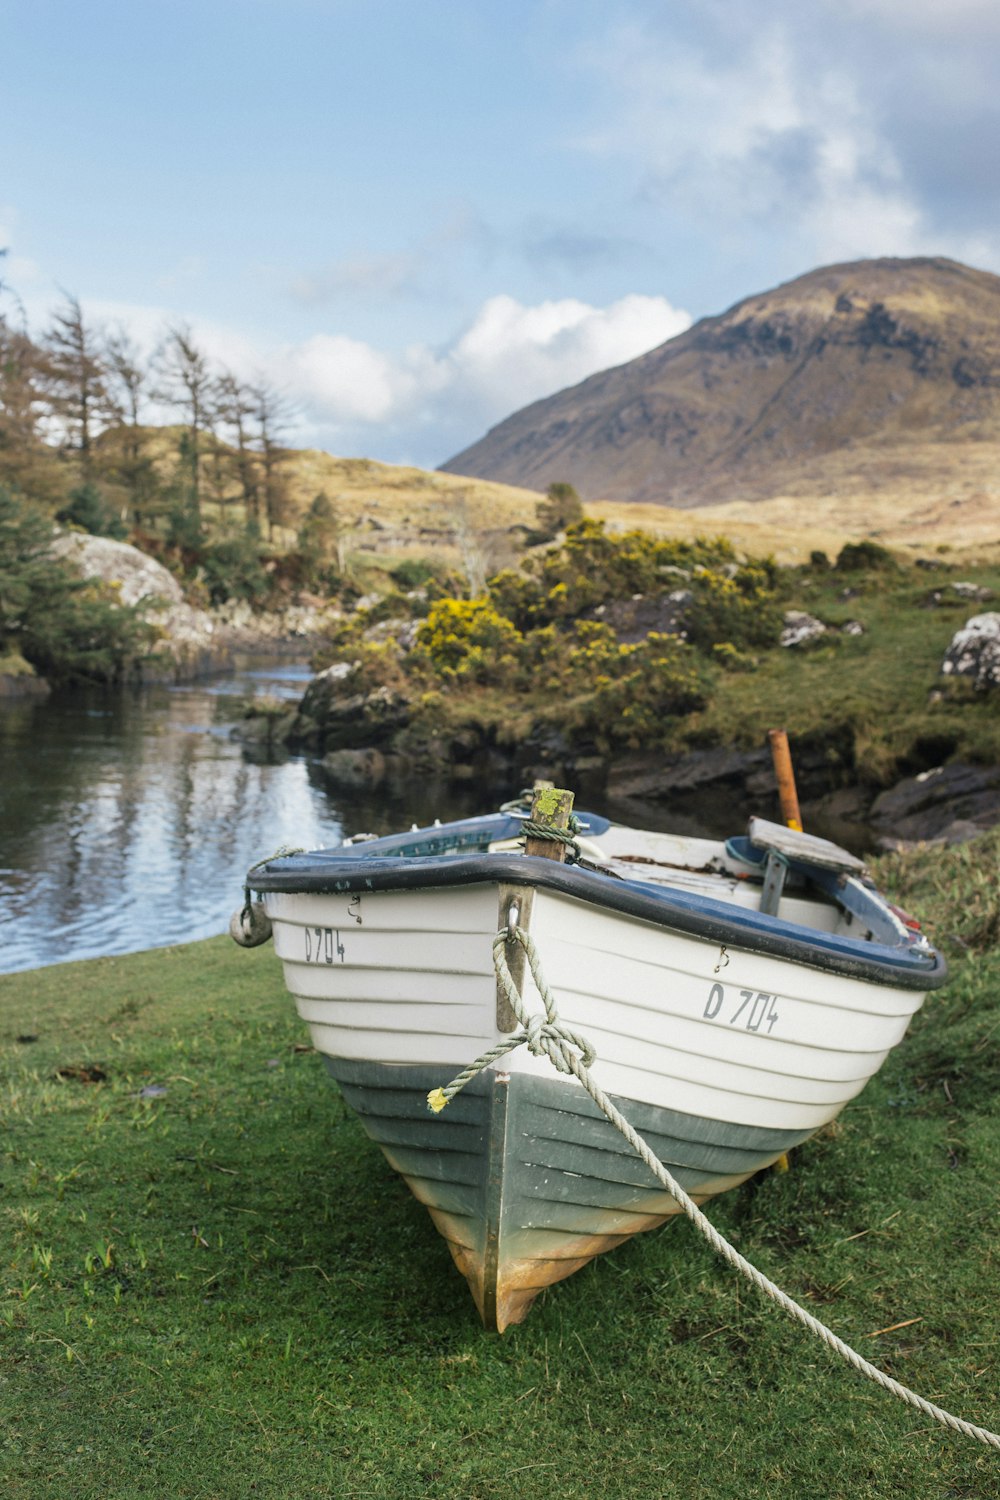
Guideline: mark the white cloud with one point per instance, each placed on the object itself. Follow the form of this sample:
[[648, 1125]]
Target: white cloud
[[793, 128], [512, 354], [432, 402], [343, 379]]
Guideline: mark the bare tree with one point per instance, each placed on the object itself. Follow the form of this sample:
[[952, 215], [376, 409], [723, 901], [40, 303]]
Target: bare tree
[[76, 377], [272, 414], [185, 380], [470, 543], [127, 380], [236, 407]]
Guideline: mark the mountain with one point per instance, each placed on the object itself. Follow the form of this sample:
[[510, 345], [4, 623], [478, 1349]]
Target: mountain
[[874, 376]]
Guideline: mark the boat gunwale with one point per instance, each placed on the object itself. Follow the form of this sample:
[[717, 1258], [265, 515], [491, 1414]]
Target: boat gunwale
[[335, 872]]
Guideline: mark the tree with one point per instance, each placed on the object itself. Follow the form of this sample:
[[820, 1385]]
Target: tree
[[89, 509], [66, 627], [321, 544], [185, 380], [272, 414], [561, 507], [129, 463], [27, 462], [76, 378], [236, 405]]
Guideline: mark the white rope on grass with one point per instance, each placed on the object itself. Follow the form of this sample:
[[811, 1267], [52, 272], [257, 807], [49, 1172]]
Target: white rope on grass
[[569, 1053]]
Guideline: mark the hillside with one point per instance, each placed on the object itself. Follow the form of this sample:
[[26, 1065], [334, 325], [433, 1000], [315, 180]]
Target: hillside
[[870, 390], [392, 508]]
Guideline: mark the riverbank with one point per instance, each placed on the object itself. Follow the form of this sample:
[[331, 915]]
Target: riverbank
[[214, 1285], [665, 697]]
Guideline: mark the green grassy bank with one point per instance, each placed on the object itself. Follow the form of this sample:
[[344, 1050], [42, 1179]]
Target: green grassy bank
[[219, 1289]]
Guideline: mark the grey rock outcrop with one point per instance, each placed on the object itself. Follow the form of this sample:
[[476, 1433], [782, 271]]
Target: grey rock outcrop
[[800, 628], [946, 805], [975, 651], [190, 640]]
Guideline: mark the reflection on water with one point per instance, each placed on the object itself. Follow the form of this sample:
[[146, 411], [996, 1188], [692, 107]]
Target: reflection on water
[[127, 819]]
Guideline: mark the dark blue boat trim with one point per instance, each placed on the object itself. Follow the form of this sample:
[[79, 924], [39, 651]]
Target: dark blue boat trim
[[389, 865]]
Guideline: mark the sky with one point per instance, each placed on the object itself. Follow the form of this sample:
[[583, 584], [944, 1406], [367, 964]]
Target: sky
[[414, 217]]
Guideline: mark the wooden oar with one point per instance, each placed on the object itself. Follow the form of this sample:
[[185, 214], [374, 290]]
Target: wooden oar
[[788, 797], [782, 758]]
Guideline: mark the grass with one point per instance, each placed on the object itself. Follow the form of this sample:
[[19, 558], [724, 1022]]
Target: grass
[[213, 1286], [882, 689]]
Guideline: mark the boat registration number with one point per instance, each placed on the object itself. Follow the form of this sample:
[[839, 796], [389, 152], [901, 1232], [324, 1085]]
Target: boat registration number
[[323, 945], [752, 1009]]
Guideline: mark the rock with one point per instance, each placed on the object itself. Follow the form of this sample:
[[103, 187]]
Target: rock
[[633, 619], [973, 591], [853, 627], [192, 641], [329, 719], [355, 769], [19, 680], [975, 651], [134, 575], [948, 804], [188, 639], [800, 628]]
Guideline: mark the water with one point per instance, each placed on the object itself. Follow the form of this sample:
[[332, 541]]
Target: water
[[129, 818]]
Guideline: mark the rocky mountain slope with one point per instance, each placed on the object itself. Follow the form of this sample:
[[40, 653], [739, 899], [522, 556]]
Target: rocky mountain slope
[[873, 378]]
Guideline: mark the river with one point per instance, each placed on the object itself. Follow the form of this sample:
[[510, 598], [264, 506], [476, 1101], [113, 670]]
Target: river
[[129, 817]]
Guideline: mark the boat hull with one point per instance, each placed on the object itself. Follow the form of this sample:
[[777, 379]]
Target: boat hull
[[525, 1178], [723, 1057]]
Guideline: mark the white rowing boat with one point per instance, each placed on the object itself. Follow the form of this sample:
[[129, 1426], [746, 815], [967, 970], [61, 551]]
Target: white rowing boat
[[737, 996]]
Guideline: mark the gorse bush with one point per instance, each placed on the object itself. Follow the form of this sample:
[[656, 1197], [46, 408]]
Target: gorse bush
[[656, 680], [592, 568], [467, 639], [536, 634], [739, 607]]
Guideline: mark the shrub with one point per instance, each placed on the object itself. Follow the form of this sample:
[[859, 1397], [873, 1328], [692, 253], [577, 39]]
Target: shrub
[[234, 569], [89, 510], [590, 568], [67, 628], [413, 573], [739, 608], [865, 557], [468, 639], [657, 680]]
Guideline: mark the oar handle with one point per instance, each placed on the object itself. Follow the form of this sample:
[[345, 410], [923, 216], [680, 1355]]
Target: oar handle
[[781, 756]]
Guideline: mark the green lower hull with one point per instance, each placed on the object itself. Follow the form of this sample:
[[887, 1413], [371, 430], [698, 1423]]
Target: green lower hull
[[527, 1180]]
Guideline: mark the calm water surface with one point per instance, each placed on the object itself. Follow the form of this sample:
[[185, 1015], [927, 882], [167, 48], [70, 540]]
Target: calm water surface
[[129, 818]]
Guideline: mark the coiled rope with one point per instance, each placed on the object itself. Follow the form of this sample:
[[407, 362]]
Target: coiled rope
[[546, 1036]]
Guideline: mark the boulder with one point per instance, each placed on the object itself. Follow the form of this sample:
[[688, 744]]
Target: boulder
[[948, 804], [354, 769], [188, 638], [191, 641], [800, 628], [975, 651]]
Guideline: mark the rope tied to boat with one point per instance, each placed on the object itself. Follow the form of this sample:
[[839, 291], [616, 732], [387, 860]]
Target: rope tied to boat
[[554, 835], [251, 926], [571, 1053], [543, 1034]]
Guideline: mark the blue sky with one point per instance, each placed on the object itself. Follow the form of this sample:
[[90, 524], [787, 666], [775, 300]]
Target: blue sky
[[416, 216]]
